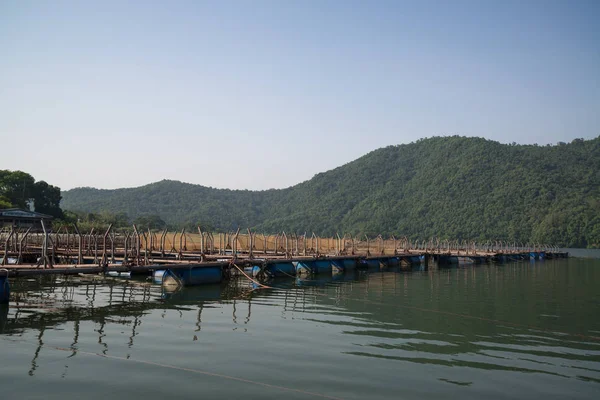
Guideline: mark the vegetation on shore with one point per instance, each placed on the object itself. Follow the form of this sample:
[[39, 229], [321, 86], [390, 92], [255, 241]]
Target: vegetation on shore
[[19, 190]]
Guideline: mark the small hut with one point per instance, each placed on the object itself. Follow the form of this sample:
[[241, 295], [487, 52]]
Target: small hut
[[23, 219]]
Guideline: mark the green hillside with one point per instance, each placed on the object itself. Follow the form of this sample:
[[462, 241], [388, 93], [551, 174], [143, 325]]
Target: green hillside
[[450, 187]]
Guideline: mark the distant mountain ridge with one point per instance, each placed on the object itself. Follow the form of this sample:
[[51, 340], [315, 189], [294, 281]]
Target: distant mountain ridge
[[449, 187]]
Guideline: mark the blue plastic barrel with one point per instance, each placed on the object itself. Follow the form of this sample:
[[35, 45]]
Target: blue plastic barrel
[[157, 276], [372, 263], [349, 263], [323, 267], [393, 261], [198, 276], [305, 267], [282, 269], [337, 266]]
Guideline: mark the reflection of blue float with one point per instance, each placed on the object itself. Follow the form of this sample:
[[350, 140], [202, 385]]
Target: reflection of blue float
[[3, 317], [4, 287], [316, 280], [194, 294], [190, 276], [337, 267]]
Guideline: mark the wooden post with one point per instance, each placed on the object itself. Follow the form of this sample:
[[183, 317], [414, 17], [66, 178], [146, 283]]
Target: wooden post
[[287, 249], [5, 259], [162, 242], [53, 251], [304, 242], [89, 244], [234, 248], [276, 243], [125, 249], [201, 242], [146, 261], [15, 241], [296, 240], [95, 249], [173, 242], [104, 257], [112, 247], [264, 244], [20, 257], [181, 241], [56, 240], [79, 245], [44, 245], [138, 245], [368, 246], [251, 244]]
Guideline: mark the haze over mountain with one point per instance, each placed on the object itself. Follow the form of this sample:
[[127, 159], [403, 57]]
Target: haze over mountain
[[449, 187]]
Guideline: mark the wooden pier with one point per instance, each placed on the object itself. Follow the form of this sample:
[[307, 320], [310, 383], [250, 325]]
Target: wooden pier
[[24, 253]]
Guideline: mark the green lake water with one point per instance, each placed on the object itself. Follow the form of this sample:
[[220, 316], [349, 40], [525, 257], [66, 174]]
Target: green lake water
[[523, 330]]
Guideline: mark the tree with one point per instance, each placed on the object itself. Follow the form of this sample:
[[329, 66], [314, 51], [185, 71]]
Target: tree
[[19, 189], [47, 199], [150, 222], [16, 188]]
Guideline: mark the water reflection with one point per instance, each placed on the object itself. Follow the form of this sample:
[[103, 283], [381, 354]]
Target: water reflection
[[485, 318]]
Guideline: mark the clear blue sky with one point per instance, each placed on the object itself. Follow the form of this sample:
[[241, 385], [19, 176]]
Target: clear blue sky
[[261, 94]]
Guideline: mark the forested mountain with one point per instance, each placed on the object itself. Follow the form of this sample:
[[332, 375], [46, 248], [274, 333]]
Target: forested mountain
[[449, 187]]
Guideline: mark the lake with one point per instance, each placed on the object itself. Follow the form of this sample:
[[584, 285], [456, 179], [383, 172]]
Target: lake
[[522, 330]]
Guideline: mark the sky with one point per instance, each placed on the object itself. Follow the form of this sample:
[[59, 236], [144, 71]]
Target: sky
[[265, 94]]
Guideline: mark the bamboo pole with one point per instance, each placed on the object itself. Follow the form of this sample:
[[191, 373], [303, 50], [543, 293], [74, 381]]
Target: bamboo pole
[[20, 256], [5, 259], [104, 257]]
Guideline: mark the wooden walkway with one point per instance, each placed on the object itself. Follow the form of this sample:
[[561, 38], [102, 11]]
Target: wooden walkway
[[24, 253]]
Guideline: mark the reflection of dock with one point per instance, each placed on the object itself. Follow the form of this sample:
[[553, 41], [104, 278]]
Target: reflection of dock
[[69, 303]]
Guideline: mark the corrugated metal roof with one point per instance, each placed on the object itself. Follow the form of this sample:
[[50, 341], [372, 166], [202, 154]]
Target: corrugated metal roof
[[20, 213]]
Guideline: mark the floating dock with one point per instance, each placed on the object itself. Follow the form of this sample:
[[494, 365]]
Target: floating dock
[[198, 258]]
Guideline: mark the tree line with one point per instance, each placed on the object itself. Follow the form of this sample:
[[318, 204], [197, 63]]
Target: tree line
[[445, 187]]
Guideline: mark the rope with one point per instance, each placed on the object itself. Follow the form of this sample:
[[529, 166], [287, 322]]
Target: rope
[[252, 280], [196, 371], [286, 274]]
